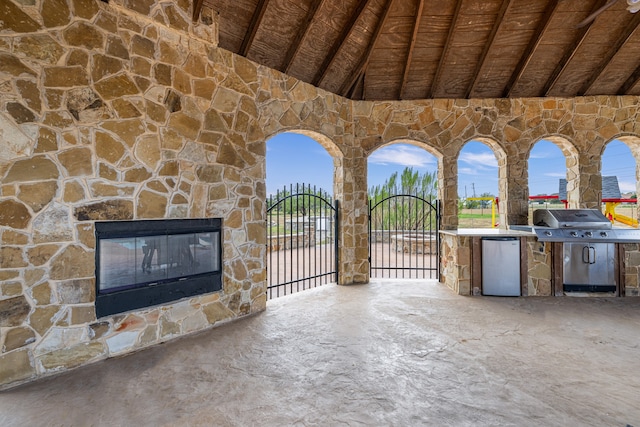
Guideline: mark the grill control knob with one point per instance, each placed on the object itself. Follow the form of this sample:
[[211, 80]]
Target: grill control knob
[[603, 234], [588, 234], [548, 233], [574, 234]]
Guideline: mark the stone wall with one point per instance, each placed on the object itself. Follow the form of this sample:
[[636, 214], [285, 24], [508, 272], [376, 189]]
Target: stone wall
[[581, 127], [125, 111], [539, 268], [631, 269], [129, 110], [455, 256]]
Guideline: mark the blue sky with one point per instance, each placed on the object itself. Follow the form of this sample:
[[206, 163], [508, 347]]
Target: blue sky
[[293, 158]]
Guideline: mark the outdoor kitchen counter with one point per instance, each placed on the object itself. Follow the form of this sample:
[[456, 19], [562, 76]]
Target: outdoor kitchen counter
[[482, 232], [461, 260]]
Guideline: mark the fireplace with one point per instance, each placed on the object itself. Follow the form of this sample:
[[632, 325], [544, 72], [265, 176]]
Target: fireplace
[[145, 263]]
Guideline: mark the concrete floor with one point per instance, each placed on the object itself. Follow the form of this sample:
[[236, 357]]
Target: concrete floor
[[401, 353]]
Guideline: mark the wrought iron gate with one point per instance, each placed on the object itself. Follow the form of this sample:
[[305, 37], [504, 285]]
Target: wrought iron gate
[[302, 240], [404, 238]]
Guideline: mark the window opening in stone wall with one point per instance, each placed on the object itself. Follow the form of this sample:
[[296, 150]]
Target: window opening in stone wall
[[619, 194], [301, 216], [547, 170], [478, 204], [403, 212]]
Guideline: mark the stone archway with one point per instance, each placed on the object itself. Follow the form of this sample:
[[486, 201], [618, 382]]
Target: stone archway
[[501, 158], [574, 171], [633, 143], [443, 190]]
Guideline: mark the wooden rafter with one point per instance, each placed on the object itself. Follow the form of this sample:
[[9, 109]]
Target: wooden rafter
[[337, 45], [633, 80], [627, 33], [364, 61], [531, 48], [414, 36], [197, 8], [566, 59], [301, 35], [488, 45], [357, 88], [445, 52], [256, 19]]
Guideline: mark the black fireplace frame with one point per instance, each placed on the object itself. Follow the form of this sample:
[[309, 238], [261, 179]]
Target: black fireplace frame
[[162, 291]]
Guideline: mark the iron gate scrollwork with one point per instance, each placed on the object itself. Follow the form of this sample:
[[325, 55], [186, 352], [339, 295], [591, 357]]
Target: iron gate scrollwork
[[404, 238], [302, 240]]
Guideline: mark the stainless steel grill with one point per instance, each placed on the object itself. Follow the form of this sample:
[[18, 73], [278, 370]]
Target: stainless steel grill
[[588, 250], [579, 225]]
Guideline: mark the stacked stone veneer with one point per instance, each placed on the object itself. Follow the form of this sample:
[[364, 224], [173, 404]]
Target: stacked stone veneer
[[129, 110], [631, 273], [117, 112], [457, 266]]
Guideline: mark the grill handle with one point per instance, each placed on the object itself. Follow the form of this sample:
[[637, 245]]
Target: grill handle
[[587, 252]]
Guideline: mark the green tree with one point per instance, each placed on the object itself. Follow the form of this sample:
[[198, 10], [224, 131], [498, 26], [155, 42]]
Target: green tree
[[299, 199], [406, 213]]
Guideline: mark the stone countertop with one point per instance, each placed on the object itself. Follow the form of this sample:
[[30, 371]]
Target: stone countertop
[[500, 232]]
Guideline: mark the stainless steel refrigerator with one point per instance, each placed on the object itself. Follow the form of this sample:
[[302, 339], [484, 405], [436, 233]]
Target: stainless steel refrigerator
[[501, 266]]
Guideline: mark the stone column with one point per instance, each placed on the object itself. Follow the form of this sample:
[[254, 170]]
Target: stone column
[[350, 180], [590, 181], [448, 192], [584, 182], [514, 189]]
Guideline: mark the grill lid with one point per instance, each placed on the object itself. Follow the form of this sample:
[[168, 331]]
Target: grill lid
[[571, 218]]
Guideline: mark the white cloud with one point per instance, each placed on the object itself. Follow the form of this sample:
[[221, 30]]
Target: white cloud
[[486, 159], [539, 155], [556, 174], [627, 186], [404, 155], [467, 171]]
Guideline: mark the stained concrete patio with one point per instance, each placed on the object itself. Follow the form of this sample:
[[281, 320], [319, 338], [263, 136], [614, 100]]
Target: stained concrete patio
[[402, 353]]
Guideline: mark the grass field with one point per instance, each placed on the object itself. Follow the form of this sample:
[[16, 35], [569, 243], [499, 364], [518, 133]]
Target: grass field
[[475, 218], [481, 218]]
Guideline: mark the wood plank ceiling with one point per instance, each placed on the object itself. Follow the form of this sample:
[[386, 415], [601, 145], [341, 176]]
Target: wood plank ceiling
[[422, 49]]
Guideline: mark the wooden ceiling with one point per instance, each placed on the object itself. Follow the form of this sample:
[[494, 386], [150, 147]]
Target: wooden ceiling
[[424, 49]]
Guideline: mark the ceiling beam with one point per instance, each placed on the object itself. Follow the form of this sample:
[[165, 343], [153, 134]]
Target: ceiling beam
[[256, 19], [357, 90], [337, 45], [595, 13], [624, 37], [633, 80], [487, 46], [414, 36], [364, 61], [197, 8], [445, 52], [581, 35], [302, 33], [531, 48]]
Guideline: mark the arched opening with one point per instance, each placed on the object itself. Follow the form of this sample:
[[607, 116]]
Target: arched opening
[[478, 184], [402, 168], [547, 167], [302, 214], [294, 157], [403, 211], [619, 183]]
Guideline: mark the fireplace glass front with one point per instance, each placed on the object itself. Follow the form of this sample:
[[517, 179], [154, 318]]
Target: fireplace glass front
[[145, 263]]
